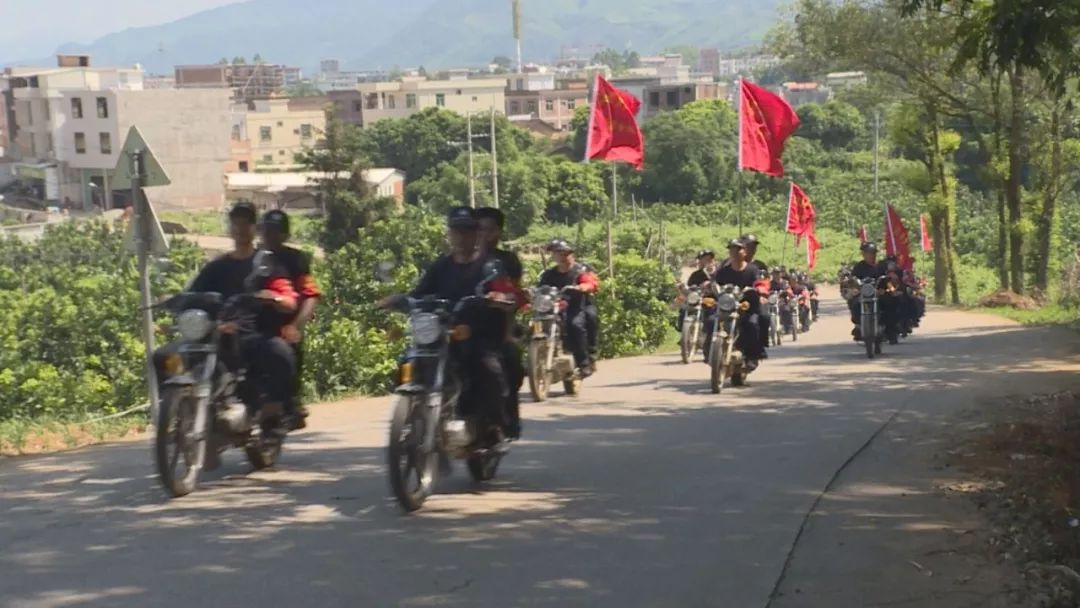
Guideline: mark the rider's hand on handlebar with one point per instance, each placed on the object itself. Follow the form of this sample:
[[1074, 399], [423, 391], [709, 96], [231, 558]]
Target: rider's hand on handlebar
[[228, 327]]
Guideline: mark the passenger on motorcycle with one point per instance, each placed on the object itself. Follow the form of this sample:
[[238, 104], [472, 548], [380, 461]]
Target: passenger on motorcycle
[[739, 272], [492, 222], [275, 233], [582, 284], [268, 359], [706, 266], [455, 276]]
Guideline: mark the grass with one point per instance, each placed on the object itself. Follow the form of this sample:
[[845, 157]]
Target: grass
[[209, 222], [41, 435], [1052, 314]]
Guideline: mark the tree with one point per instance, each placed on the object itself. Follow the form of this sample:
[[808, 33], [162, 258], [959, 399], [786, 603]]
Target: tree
[[239, 60], [504, 64], [302, 89], [835, 124], [257, 59], [690, 153], [223, 61]]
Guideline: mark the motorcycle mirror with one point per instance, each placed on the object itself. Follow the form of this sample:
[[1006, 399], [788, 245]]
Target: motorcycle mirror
[[261, 263], [384, 271], [492, 269]]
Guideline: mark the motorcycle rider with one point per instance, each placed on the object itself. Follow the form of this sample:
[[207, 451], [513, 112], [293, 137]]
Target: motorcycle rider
[[811, 287], [706, 262], [582, 284], [491, 223], [270, 362], [454, 276], [275, 233], [869, 268], [738, 271]]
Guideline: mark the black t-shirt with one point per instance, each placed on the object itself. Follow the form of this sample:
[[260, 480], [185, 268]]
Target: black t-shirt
[[697, 277], [862, 270], [756, 266], [227, 275], [574, 299], [744, 278], [776, 286], [449, 279], [297, 267]]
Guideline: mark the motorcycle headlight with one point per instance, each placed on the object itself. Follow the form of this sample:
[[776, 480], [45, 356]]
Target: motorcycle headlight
[[543, 304], [425, 328], [868, 290], [725, 303], [194, 324], [693, 298], [774, 298]]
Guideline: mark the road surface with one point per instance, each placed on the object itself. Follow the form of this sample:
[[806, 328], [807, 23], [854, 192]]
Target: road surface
[[647, 491]]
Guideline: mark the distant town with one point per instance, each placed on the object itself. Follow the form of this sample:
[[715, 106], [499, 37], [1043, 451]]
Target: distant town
[[231, 131]]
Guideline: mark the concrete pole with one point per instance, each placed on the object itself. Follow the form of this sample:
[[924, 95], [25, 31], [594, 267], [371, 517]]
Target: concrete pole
[[494, 163], [472, 179], [141, 233]]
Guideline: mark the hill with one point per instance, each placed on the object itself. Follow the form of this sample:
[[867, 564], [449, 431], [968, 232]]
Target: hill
[[374, 33]]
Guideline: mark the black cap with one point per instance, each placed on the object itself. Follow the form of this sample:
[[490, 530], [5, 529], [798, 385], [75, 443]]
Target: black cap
[[559, 245], [244, 210], [736, 243], [705, 252], [461, 217], [278, 219], [749, 239], [868, 246]]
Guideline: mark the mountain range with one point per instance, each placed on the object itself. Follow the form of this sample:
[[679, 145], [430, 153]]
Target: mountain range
[[366, 34]]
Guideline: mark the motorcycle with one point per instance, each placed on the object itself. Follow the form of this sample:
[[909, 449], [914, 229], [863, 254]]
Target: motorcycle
[[427, 424], [789, 305], [804, 311], [774, 319], [870, 330], [691, 339], [547, 363], [202, 408], [725, 361]]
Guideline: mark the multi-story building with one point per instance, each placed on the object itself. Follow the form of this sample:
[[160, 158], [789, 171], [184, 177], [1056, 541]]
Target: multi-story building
[[709, 62], [799, 93], [187, 130], [410, 95], [554, 107], [247, 81], [839, 80], [636, 86], [279, 128], [3, 120], [746, 65], [348, 106], [667, 97]]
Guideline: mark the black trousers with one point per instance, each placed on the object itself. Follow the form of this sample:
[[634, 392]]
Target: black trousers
[[576, 335], [487, 391], [888, 309], [515, 377], [592, 328]]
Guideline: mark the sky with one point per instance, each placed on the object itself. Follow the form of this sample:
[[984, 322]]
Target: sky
[[43, 25]]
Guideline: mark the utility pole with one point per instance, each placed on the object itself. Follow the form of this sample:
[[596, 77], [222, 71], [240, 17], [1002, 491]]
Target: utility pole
[[494, 162], [877, 129], [472, 180], [142, 255]]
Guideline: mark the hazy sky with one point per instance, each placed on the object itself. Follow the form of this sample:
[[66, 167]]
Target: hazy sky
[[34, 28]]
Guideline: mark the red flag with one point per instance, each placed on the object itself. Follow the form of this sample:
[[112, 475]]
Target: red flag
[[897, 241], [800, 215], [613, 130], [765, 123], [862, 234], [927, 244], [812, 246]]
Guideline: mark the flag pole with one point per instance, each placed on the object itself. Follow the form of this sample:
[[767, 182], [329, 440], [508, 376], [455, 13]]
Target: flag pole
[[739, 165], [783, 256], [592, 111], [611, 215]]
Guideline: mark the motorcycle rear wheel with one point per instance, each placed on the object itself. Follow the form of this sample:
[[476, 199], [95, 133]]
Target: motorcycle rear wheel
[[538, 373], [264, 449], [408, 462], [483, 467], [572, 385], [174, 440]]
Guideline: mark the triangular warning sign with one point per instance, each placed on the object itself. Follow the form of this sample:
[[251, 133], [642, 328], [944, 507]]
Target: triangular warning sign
[[154, 174]]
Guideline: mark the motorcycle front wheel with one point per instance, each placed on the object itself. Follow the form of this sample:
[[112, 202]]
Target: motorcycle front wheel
[[794, 329], [538, 373], [177, 439], [716, 363], [412, 469], [872, 346]]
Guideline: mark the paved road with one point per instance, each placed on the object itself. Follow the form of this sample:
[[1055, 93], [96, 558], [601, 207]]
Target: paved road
[[647, 491]]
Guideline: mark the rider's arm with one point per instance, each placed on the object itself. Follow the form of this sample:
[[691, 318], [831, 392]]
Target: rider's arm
[[306, 287], [427, 284], [588, 282], [280, 290]]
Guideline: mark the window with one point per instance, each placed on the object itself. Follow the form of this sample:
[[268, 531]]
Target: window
[[520, 84], [654, 99], [102, 107], [532, 107], [46, 112], [391, 102], [280, 124], [372, 101], [440, 100], [49, 143], [515, 107], [358, 106], [305, 131], [281, 153], [265, 134], [30, 113], [571, 103], [474, 97], [243, 166], [458, 92], [268, 158], [80, 143], [672, 98], [549, 105], [105, 141], [410, 100], [236, 132]]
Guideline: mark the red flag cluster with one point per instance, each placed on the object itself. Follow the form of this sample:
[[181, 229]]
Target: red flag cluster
[[765, 123], [800, 222], [613, 130], [897, 240]]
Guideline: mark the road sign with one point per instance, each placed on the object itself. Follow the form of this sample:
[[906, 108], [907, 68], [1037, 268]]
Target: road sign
[[157, 244], [154, 174]]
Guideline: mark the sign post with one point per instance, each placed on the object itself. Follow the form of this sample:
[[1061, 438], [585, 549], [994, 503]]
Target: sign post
[[144, 236]]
